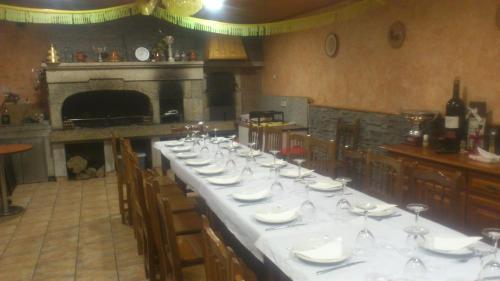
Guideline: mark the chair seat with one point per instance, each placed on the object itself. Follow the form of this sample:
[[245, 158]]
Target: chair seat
[[190, 249], [171, 190], [180, 203], [194, 273], [186, 223]]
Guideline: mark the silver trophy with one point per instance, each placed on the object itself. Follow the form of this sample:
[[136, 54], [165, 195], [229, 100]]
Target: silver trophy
[[169, 39]]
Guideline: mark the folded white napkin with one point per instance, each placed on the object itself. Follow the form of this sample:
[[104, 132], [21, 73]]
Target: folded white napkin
[[453, 243], [378, 208], [277, 215], [488, 155], [251, 194], [330, 251]]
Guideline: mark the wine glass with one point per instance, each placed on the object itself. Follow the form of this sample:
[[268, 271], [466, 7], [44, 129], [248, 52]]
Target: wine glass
[[481, 250], [215, 133], [204, 148], [219, 155], [415, 267], [491, 270], [230, 163], [417, 208], [299, 162], [307, 208], [276, 187], [365, 238], [274, 153], [343, 203]]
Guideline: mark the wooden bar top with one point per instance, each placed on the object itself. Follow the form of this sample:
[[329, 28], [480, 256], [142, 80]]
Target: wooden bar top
[[460, 160]]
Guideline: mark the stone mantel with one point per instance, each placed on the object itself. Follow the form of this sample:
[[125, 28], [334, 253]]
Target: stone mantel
[[126, 71]]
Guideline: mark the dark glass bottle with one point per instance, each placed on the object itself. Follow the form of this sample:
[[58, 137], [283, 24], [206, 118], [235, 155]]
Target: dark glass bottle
[[454, 123]]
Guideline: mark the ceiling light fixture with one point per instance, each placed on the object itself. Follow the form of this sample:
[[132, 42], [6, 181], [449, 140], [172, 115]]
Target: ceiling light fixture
[[213, 5]]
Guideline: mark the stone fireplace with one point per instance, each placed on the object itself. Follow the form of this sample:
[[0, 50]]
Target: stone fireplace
[[96, 97]]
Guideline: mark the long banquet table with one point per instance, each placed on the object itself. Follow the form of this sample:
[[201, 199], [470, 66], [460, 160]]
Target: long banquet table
[[386, 259]]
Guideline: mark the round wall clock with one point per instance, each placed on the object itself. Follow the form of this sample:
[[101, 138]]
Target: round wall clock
[[331, 44], [397, 35]]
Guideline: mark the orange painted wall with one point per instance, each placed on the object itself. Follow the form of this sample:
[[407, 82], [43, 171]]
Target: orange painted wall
[[445, 39], [22, 48]]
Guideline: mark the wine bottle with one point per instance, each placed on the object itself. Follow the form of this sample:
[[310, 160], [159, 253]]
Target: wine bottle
[[454, 122], [5, 116]]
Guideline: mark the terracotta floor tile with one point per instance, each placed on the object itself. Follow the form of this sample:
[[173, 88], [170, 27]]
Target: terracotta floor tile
[[62, 267], [132, 273], [97, 275], [53, 277]]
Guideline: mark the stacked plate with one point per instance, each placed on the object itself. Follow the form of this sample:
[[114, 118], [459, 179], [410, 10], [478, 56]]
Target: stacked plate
[[197, 162], [252, 194], [209, 170], [174, 143], [327, 185], [246, 153], [271, 163], [180, 148], [224, 180], [186, 155]]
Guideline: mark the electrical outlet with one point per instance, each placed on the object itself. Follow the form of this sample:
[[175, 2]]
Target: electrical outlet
[[283, 103]]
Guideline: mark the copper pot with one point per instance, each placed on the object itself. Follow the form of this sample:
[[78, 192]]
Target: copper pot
[[114, 56], [80, 56]]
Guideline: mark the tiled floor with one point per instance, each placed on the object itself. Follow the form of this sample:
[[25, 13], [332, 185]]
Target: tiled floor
[[71, 230]]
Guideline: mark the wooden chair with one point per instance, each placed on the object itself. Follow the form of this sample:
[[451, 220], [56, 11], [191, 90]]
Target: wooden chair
[[215, 254], [183, 253], [255, 136], [273, 139], [322, 156], [120, 182], [384, 178], [127, 176], [347, 135], [238, 271], [297, 145], [441, 191], [352, 166]]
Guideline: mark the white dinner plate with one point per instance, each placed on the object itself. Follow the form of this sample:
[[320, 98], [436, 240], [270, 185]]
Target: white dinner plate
[[224, 180], [432, 244], [250, 195], [293, 173], [185, 155], [210, 170], [276, 214], [381, 210], [180, 148], [142, 54], [245, 153], [322, 251], [270, 163], [174, 143], [197, 162], [326, 185]]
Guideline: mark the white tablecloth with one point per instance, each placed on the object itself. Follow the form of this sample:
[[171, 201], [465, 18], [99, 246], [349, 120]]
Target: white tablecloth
[[387, 259]]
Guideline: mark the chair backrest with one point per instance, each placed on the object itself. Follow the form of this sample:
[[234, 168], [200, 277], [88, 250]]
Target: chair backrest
[[441, 191], [238, 270], [255, 136], [116, 154], [352, 166], [322, 156], [273, 138], [215, 255], [347, 135], [152, 191], [169, 241], [297, 145], [384, 178]]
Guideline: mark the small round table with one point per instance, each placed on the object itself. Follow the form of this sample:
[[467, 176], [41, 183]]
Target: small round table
[[8, 149]]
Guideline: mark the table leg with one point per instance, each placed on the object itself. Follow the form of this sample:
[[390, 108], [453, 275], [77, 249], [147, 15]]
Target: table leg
[[5, 209]]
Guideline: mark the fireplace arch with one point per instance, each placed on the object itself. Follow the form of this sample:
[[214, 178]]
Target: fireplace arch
[[105, 108]]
